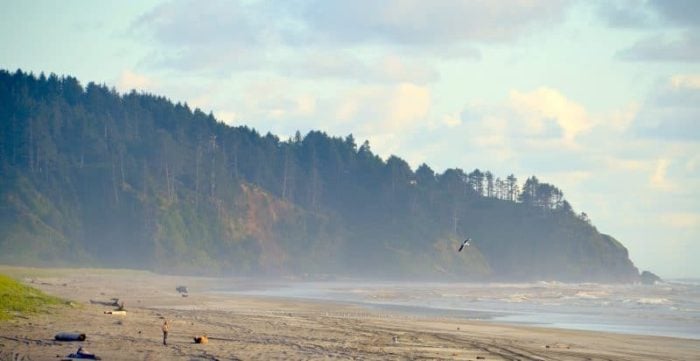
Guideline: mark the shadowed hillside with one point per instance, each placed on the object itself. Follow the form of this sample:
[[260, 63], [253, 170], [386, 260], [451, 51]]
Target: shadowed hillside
[[92, 177]]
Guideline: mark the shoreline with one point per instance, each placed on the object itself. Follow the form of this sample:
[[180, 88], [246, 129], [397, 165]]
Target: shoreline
[[258, 328], [630, 309]]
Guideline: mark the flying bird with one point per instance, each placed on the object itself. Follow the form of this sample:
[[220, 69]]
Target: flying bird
[[465, 243]]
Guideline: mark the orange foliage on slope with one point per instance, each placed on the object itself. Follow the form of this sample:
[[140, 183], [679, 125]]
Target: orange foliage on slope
[[262, 211]]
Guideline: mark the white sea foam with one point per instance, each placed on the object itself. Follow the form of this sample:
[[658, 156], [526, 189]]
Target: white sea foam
[[653, 301], [589, 295], [516, 298]]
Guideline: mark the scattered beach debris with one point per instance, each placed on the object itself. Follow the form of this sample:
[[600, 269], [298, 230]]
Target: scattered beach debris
[[112, 302], [201, 339], [481, 358], [395, 339], [182, 289], [118, 313], [70, 336], [84, 354]]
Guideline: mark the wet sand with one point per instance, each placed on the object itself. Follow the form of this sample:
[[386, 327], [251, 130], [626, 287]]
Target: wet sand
[[256, 328]]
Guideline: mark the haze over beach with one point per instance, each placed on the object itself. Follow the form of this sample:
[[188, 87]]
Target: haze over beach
[[353, 179], [599, 98]]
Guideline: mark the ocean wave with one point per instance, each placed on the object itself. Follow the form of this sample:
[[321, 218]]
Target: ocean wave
[[654, 301], [590, 295], [517, 298]]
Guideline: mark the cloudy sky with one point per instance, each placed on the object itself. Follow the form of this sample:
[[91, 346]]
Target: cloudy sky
[[601, 99]]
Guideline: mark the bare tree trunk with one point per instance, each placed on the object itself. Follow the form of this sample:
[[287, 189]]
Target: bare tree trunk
[[30, 149], [235, 160], [315, 184], [455, 219], [114, 183], [285, 174], [168, 186], [121, 166], [196, 176], [145, 178], [212, 174]]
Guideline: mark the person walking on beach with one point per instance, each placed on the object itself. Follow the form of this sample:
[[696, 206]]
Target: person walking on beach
[[165, 328]]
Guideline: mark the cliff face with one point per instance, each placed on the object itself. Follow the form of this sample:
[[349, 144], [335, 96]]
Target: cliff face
[[91, 177]]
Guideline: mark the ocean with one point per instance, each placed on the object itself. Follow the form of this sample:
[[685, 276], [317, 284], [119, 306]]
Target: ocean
[[664, 309]]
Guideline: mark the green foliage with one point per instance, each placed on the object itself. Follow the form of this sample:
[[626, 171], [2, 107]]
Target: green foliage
[[17, 298], [92, 177]]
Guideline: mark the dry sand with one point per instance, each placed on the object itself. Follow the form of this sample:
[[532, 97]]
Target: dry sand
[[255, 328]]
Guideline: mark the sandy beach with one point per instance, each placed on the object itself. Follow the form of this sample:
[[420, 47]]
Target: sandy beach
[[257, 328]]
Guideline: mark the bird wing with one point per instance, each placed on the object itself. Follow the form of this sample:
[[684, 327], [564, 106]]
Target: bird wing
[[460, 247]]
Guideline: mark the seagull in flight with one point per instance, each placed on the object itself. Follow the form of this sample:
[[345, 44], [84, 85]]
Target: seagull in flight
[[465, 243]]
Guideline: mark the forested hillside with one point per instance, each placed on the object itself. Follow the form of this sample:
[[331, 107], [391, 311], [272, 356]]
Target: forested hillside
[[93, 177]]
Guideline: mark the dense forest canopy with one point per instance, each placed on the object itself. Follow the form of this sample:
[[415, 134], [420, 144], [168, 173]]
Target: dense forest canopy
[[95, 177]]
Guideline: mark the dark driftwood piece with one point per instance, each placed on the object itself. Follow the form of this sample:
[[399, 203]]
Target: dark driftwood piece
[[70, 336]]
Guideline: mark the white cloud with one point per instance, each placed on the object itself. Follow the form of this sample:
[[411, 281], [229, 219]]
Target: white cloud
[[678, 12], [345, 65], [420, 22], [227, 117], [681, 48], [671, 111], [621, 119], [627, 165], [545, 105], [692, 165], [221, 36], [571, 178], [659, 178], [685, 81], [451, 120], [277, 98], [409, 103], [385, 109], [347, 109], [681, 220], [386, 115], [306, 104], [399, 69], [493, 132], [129, 80]]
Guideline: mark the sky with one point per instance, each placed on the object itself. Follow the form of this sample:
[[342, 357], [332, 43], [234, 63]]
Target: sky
[[600, 98]]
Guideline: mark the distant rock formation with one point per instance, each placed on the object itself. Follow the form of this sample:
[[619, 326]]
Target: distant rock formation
[[648, 278]]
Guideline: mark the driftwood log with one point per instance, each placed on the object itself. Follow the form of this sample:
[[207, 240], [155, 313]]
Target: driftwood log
[[120, 313], [70, 336]]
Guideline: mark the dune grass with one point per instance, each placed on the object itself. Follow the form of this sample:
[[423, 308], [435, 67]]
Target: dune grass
[[16, 298]]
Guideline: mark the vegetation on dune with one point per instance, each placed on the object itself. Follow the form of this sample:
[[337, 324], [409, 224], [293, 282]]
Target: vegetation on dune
[[93, 178], [17, 298]]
